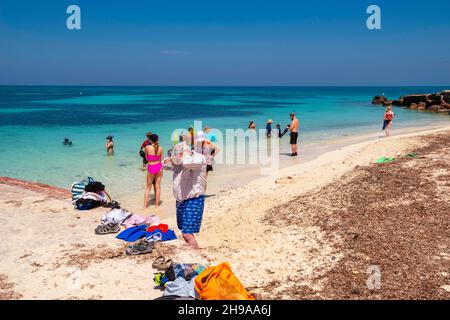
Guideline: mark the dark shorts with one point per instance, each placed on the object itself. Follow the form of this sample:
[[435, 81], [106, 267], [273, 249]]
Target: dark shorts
[[209, 168], [386, 123], [190, 214], [294, 137], [142, 154]]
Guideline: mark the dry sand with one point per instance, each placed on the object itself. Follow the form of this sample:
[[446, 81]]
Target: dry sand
[[50, 251]]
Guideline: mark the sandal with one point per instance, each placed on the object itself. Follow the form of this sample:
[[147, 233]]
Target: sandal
[[141, 247], [161, 263], [107, 228], [112, 204]]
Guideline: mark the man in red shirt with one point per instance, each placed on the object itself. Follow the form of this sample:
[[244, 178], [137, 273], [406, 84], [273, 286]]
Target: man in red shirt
[[143, 145]]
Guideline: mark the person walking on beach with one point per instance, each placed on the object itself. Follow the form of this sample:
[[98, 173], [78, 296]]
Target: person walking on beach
[[293, 128], [206, 148], [153, 154], [388, 118], [109, 145], [141, 150], [189, 185]]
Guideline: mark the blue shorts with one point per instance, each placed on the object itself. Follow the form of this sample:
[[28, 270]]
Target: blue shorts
[[190, 214]]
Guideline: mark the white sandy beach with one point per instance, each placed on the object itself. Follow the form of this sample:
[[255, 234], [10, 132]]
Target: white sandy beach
[[46, 242]]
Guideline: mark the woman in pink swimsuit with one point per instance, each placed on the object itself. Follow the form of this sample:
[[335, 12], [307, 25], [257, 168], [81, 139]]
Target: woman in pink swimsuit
[[153, 154]]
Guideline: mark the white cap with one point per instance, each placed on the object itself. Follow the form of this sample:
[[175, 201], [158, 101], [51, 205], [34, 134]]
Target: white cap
[[200, 136]]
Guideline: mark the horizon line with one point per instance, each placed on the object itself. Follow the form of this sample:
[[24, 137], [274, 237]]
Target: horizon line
[[222, 86]]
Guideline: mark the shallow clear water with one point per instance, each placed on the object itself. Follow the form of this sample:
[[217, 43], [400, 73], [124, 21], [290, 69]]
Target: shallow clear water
[[35, 120]]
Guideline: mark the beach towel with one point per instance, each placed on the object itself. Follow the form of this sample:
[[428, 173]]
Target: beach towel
[[220, 283], [385, 160], [115, 216], [77, 188], [136, 220], [132, 234], [180, 287], [158, 235]]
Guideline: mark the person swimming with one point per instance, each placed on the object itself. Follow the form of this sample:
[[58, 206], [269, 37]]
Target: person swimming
[[67, 142]]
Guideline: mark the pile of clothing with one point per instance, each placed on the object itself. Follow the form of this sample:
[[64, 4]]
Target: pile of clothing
[[117, 217], [194, 281], [177, 279], [89, 194], [149, 235]]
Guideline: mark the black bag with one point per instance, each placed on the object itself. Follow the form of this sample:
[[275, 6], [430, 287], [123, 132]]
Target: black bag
[[95, 186], [87, 204]]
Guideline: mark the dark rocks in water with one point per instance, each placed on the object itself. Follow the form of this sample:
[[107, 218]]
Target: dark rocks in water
[[434, 108], [422, 106], [434, 102], [416, 98], [380, 100]]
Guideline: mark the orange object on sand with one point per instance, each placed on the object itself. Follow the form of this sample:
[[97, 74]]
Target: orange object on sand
[[220, 283]]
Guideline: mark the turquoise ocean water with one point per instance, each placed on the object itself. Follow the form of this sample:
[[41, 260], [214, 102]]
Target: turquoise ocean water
[[34, 120]]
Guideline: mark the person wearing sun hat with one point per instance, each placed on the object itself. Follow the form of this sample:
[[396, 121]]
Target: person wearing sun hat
[[269, 128], [206, 148], [189, 185]]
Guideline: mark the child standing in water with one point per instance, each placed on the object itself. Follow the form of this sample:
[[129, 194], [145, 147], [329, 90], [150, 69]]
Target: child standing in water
[[109, 145], [388, 117]]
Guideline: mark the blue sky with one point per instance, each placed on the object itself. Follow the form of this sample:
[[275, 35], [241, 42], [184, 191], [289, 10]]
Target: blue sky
[[246, 42]]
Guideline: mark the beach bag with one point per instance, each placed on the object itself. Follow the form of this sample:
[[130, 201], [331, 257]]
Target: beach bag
[[87, 204], [77, 188], [94, 186], [220, 283]]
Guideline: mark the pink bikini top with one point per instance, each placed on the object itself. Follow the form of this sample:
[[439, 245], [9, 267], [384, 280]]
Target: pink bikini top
[[153, 157]]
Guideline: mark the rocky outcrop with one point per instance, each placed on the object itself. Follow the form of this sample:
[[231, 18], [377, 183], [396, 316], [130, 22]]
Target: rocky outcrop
[[380, 100], [434, 102]]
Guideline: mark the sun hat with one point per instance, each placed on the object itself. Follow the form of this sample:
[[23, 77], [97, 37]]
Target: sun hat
[[200, 136], [269, 121]]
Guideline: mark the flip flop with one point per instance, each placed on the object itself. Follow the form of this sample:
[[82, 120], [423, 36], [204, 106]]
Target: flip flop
[[161, 263]]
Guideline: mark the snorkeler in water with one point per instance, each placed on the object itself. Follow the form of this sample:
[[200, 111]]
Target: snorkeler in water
[[67, 142]]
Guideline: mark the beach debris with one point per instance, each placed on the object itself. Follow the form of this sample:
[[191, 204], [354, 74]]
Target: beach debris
[[285, 180], [446, 288]]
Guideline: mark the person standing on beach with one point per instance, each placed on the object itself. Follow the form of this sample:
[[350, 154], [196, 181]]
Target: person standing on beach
[[388, 118], [206, 148], [269, 128], [141, 150], [189, 185], [109, 145], [153, 154], [293, 127]]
